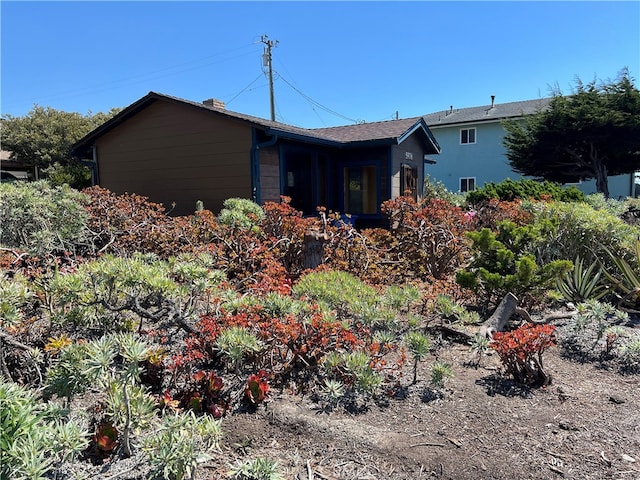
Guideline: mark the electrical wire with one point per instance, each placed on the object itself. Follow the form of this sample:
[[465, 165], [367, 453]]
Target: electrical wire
[[244, 89], [316, 103], [143, 77]]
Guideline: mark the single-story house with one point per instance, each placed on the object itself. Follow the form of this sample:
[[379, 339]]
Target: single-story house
[[473, 153], [177, 152], [13, 170]]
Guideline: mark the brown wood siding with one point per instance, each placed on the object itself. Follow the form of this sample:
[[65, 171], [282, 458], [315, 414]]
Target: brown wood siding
[[270, 175], [172, 153], [413, 146]]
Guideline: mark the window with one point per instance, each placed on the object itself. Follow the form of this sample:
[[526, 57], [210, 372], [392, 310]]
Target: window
[[467, 135], [409, 181], [467, 184], [360, 190]]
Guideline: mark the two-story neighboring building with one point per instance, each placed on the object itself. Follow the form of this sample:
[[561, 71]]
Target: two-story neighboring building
[[472, 152]]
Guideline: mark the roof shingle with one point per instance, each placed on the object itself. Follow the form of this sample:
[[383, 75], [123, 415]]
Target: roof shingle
[[499, 111]]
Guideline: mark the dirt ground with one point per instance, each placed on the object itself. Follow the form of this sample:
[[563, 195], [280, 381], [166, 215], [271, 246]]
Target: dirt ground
[[585, 425]]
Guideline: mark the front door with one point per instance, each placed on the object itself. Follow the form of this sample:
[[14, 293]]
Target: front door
[[360, 189], [304, 179]]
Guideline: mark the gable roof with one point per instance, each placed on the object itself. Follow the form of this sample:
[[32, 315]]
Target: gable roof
[[499, 111], [388, 132]]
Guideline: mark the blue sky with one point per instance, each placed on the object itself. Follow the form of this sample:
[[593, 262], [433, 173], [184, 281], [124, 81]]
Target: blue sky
[[335, 63]]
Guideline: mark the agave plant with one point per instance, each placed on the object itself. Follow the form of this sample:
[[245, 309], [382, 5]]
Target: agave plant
[[582, 283], [626, 280]]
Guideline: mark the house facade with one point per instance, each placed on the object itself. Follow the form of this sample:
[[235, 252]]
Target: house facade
[[473, 153], [177, 152]]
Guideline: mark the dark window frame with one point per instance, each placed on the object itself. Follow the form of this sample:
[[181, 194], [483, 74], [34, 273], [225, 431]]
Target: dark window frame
[[468, 136], [464, 184]]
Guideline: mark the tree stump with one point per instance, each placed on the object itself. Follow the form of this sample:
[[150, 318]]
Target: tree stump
[[497, 321], [313, 248]]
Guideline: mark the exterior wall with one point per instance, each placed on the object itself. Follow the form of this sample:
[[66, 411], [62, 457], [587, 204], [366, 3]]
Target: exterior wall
[[269, 175], [485, 160], [409, 152], [170, 153], [620, 186]]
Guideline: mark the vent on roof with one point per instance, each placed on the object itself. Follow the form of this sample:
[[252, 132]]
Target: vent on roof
[[215, 103]]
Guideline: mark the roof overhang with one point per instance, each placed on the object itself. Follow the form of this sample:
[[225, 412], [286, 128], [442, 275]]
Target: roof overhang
[[421, 127], [84, 146]]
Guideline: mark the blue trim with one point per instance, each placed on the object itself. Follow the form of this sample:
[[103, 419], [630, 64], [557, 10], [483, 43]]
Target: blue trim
[[421, 125], [389, 177]]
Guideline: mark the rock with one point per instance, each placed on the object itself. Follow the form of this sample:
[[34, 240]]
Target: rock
[[617, 400], [628, 458]]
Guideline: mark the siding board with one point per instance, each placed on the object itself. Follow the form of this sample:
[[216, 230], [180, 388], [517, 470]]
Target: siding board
[[173, 154]]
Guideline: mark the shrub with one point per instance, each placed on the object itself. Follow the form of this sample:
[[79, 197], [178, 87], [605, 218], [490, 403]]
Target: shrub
[[503, 264], [127, 223], [589, 327], [490, 213], [15, 296], [34, 438], [42, 219], [440, 373], [524, 189], [111, 365], [339, 291], [118, 293], [425, 239], [355, 371], [521, 352], [597, 201], [181, 443], [418, 345], [73, 174], [236, 343], [567, 230], [256, 469], [435, 189], [240, 213], [294, 337], [286, 229], [630, 355], [450, 310]]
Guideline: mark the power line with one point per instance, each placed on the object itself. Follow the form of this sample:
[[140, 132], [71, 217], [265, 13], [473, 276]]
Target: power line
[[152, 75], [318, 104], [244, 89]]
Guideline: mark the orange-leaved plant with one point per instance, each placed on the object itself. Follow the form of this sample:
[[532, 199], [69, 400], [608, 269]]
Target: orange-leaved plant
[[257, 388], [521, 352]]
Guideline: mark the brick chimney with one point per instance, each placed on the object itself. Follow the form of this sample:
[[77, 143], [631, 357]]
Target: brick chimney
[[215, 103]]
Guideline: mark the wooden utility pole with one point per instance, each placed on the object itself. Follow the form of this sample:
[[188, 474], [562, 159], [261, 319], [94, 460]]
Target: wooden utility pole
[[266, 62]]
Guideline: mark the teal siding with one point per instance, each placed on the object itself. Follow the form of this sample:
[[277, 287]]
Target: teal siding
[[486, 160]]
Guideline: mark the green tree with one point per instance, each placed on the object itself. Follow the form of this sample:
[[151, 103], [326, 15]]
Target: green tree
[[44, 137], [593, 133]]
